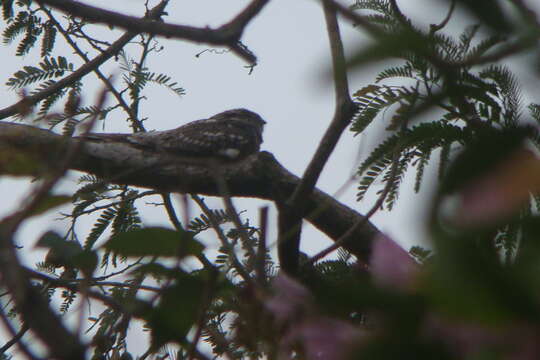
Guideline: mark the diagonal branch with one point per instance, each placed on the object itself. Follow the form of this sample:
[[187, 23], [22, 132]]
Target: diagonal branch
[[292, 212], [344, 111], [136, 124], [90, 66], [18, 336], [228, 34]]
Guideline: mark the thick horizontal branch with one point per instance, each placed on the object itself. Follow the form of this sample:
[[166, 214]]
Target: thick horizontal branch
[[228, 34], [259, 176]]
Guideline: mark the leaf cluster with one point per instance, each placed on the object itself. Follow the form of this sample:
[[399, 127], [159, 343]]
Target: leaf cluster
[[455, 100], [136, 78], [435, 102]]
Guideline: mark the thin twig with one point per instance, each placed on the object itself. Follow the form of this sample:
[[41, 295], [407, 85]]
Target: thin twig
[[171, 213], [224, 242], [178, 226], [362, 221], [433, 28], [16, 337], [14, 340], [203, 310], [112, 203], [134, 108], [23, 104], [120, 272], [227, 35], [260, 259], [232, 212], [136, 124], [378, 204], [126, 285]]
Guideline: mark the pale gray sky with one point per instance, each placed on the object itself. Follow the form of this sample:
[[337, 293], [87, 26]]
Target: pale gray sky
[[288, 88]]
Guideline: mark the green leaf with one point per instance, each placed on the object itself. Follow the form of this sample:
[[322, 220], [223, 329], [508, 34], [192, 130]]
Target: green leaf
[[50, 239], [61, 252], [154, 241], [7, 9], [177, 311], [85, 260]]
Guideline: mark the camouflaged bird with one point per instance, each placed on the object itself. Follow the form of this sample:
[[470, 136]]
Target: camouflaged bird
[[231, 135]]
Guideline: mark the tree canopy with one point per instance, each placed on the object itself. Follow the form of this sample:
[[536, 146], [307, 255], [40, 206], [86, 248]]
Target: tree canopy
[[448, 100]]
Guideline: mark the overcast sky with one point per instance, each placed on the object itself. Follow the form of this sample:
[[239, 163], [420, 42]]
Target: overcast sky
[[289, 88]]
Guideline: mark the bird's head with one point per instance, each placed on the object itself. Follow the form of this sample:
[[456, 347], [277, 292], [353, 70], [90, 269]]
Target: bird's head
[[242, 116]]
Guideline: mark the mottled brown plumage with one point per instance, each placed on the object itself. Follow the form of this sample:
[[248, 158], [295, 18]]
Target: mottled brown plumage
[[230, 135]]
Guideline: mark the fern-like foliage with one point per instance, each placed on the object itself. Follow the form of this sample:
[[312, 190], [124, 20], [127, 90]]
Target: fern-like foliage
[[534, 111], [104, 220], [382, 7], [372, 99], [48, 40], [47, 69], [137, 78], [164, 80], [31, 34], [460, 96], [47, 103], [16, 27], [68, 297], [415, 145], [202, 222], [510, 93], [23, 20], [7, 9]]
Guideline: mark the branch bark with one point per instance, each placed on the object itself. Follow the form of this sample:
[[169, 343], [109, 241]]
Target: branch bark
[[228, 34], [292, 212], [260, 176]]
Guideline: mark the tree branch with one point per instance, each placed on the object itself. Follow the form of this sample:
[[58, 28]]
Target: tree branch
[[30, 301], [228, 34], [33, 305], [90, 66], [14, 340], [344, 111], [293, 211], [136, 124], [259, 176]]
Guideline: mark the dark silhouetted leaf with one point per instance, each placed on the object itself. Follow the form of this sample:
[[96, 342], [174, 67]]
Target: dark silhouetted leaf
[[154, 241]]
